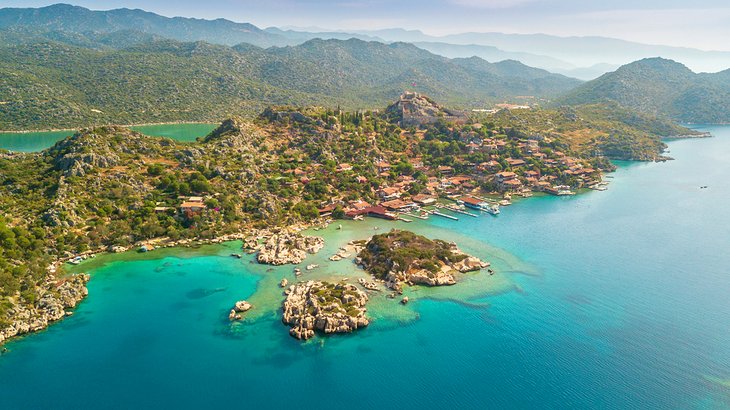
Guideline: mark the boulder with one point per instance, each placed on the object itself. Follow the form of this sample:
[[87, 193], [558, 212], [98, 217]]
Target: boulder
[[242, 306]]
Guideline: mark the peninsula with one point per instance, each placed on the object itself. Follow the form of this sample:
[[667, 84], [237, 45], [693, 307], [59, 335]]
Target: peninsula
[[109, 188]]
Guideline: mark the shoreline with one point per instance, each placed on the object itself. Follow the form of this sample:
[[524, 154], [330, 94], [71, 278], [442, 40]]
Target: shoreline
[[41, 322], [105, 124], [690, 136], [56, 268], [670, 137]]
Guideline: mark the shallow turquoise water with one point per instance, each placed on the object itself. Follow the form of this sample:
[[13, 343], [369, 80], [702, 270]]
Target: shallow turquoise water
[[37, 141], [625, 306]]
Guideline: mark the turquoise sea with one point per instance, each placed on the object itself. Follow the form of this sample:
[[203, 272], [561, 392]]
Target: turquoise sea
[[615, 299], [40, 140]]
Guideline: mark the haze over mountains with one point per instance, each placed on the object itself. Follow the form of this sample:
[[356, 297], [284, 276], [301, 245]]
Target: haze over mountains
[[79, 79], [581, 57], [64, 65]]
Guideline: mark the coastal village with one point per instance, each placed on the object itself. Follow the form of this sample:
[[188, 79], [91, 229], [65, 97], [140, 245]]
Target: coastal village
[[263, 181], [512, 167]]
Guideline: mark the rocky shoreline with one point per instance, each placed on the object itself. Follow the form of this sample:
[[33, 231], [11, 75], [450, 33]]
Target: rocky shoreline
[[57, 296], [324, 307], [288, 248]]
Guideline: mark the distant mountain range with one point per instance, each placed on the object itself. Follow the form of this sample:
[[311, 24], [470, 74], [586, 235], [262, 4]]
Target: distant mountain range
[[85, 78], [661, 87], [581, 57], [579, 52], [75, 19], [64, 65]]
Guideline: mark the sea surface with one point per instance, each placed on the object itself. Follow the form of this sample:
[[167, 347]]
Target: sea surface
[[605, 300], [37, 141]]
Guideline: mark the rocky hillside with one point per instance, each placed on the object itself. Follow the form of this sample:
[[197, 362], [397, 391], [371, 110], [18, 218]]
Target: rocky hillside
[[62, 82], [594, 130]]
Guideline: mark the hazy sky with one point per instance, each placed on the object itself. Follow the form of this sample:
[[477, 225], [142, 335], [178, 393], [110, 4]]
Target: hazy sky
[[701, 24]]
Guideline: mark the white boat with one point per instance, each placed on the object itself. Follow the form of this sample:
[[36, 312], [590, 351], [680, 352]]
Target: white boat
[[492, 209], [312, 266], [76, 260]]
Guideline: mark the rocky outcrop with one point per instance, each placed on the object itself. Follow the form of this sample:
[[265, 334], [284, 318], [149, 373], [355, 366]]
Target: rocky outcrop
[[77, 164], [283, 248], [239, 307], [470, 264], [55, 298], [324, 307], [442, 277], [415, 109]]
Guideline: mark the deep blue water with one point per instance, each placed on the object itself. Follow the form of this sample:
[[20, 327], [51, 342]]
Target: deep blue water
[[621, 300]]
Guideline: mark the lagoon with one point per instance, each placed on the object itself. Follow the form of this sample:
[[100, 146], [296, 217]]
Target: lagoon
[[40, 140], [614, 299]]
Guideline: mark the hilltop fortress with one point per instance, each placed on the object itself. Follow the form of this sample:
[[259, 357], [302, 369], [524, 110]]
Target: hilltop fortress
[[413, 108]]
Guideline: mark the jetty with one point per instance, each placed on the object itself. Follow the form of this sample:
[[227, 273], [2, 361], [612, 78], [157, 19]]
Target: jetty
[[445, 216], [456, 210], [461, 211]]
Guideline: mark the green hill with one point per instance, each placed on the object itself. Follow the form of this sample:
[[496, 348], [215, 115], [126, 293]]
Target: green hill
[[661, 87], [46, 84]]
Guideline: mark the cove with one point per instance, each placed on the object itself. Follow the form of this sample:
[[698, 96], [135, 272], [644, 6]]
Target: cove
[[614, 299]]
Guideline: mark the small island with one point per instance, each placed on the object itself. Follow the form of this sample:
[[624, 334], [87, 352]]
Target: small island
[[403, 257], [325, 307]]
